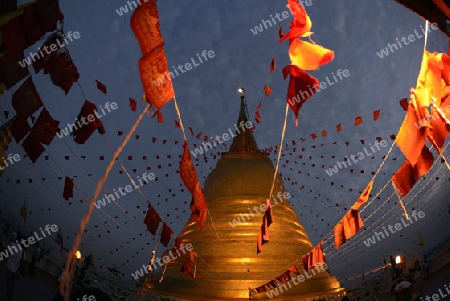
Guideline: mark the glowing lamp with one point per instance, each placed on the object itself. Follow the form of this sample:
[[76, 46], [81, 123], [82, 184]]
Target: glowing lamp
[[78, 254], [398, 259], [241, 92]]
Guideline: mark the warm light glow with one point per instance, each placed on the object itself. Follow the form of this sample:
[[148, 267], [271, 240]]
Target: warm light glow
[[78, 254], [241, 91], [398, 259]]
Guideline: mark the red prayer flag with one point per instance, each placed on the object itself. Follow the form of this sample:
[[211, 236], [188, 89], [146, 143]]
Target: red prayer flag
[[14, 39], [45, 127], [338, 127], [192, 256], [101, 86], [152, 219], [273, 66], [280, 32], [302, 86], [11, 72], [263, 234], [301, 25], [20, 127], [187, 269], [133, 104], [63, 73], [259, 105], [165, 235], [404, 104], [49, 13], [33, 147], [68, 188], [26, 99], [88, 112]]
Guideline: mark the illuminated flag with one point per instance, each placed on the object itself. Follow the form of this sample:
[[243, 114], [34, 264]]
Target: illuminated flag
[[363, 197], [153, 69], [190, 179]]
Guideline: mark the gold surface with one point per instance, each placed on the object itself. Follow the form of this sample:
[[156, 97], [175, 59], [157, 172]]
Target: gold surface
[[240, 181]]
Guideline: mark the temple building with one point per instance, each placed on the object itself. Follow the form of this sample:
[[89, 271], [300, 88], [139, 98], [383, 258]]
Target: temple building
[[227, 266]]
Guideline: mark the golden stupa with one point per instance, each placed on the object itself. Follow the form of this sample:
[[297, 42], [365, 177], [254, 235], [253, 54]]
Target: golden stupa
[[227, 255]]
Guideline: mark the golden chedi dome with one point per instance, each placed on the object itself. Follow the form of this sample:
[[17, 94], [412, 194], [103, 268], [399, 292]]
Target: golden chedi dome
[[226, 247]]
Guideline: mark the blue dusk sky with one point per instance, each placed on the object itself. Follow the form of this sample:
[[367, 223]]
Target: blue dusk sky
[[108, 51]]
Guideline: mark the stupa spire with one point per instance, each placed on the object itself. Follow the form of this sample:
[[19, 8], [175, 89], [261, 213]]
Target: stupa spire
[[243, 142]]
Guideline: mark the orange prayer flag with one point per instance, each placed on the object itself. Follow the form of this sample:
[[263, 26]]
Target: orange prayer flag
[[159, 116], [267, 90], [352, 223], [430, 77], [309, 56], [439, 131], [339, 237], [190, 179], [446, 69], [324, 133], [363, 197], [410, 138], [338, 127], [404, 178], [153, 69], [145, 24], [358, 120], [376, 115], [424, 163], [259, 106], [273, 66]]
